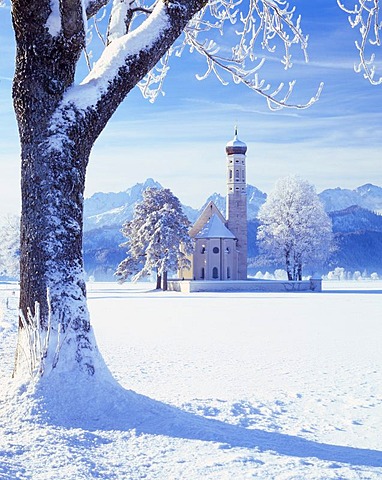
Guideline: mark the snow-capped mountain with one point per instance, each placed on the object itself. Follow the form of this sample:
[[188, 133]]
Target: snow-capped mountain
[[113, 209], [356, 224], [105, 213], [106, 209], [255, 198], [367, 196]]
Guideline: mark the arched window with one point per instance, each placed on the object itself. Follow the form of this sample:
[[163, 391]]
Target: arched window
[[228, 273], [215, 273], [202, 276], [203, 250]]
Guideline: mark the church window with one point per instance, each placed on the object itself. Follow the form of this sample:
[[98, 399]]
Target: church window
[[215, 273], [228, 272], [215, 250], [202, 276], [203, 250]]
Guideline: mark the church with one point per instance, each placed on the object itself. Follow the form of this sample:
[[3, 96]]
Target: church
[[220, 243]]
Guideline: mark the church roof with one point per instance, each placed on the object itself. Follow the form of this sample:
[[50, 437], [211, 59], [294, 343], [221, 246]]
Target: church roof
[[236, 146], [209, 210], [215, 228]]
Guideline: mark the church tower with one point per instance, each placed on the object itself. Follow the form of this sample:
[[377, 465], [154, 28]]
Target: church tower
[[237, 200]]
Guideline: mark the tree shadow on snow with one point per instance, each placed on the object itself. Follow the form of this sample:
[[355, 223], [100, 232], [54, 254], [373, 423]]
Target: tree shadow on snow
[[107, 406]]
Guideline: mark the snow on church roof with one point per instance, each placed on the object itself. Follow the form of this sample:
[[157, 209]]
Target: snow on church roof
[[215, 228], [236, 146]]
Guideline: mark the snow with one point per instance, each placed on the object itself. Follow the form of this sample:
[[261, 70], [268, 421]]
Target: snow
[[114, 56], [229, 385], [117, 27], [53, 23], [215, 228]]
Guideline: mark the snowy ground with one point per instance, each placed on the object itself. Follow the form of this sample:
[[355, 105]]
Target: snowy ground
[[232, 386]]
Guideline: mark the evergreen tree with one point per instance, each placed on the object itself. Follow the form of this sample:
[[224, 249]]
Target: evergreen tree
[[294, 227], [155, 236]]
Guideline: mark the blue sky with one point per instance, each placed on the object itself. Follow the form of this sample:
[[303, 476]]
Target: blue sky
[[179, 140]]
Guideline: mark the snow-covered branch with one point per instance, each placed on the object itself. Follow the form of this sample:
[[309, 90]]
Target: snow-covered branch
[[251, 31], [365, 16], [265, 25]]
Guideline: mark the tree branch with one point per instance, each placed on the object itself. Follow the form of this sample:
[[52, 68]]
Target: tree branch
[[73, 22], [123, 63], [94, 6], [365, 16]]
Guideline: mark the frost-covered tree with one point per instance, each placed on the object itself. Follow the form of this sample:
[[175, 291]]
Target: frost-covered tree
[[155, 234], [294, 228], [10, 246], [60, 119]]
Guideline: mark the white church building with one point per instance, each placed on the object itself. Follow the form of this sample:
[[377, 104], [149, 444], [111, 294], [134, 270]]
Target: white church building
[[219, 259], [220, 244]]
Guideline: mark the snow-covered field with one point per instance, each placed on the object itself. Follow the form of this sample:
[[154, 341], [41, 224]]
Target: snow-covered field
[[228, 386]]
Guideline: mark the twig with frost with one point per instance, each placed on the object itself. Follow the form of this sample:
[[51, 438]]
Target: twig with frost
[[365, 15], [259, 25], [38, 343], [32, 328]]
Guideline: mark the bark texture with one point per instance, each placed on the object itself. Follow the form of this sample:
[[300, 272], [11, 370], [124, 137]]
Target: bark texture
[[56, 139]]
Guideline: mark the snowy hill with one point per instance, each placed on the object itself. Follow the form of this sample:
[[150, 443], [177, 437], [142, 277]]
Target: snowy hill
[[367, 196]]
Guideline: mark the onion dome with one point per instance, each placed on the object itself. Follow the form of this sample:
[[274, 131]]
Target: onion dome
[[235, 146]]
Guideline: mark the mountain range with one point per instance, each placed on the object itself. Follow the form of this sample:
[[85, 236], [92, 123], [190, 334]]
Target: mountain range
[[356, 217]]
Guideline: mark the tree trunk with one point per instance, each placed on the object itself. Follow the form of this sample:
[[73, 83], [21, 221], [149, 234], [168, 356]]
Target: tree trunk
[[299, 271], [288, 266], [53, 164], [159, 281], [51, 253], [58, 125], [165, 284]]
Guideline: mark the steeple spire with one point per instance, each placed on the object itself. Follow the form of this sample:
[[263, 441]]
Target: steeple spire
[[237, 200]]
